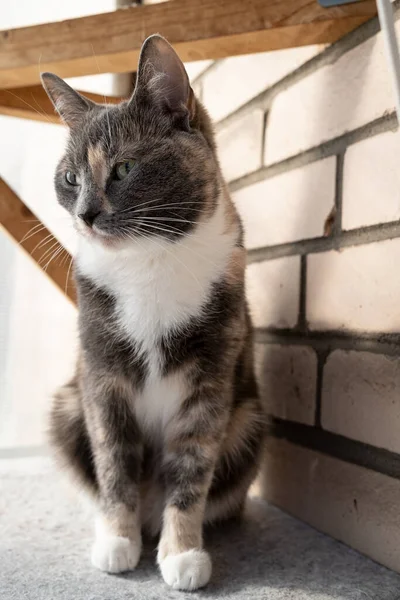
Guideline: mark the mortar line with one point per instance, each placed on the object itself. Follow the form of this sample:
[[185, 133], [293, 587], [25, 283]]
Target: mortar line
[[264, 136], [322, 355], [338, 446], [302, 321], [347, 239], [335, 146], [337, 227], [329, 340], [331, 54]]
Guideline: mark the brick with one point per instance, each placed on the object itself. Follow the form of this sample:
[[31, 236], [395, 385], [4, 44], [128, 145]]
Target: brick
[[240, 145], [243, 77], [355, 289], [287, 377], [273, 292], [196, 68], [353, 91], [353, 504], [371, 184], [361, 397], [289, 207]]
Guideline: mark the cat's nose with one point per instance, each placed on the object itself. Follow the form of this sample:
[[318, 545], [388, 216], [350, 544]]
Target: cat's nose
[[89, 216]]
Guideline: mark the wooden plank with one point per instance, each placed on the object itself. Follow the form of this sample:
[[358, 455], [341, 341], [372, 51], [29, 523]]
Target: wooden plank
[[198, 29], [34, 104], [25, 229]]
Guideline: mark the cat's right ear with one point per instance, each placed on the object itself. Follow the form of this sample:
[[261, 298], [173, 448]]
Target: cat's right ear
[[162, 77], [69, 104]]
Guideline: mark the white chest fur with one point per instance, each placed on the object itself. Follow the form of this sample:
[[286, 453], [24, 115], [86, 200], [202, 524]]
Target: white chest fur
[[159, 287]]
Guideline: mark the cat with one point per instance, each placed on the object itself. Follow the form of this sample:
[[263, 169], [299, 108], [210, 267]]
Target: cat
[[162, 422]]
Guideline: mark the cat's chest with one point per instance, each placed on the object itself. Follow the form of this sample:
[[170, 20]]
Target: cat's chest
[[158, 403], [145, 313], [151, 298]]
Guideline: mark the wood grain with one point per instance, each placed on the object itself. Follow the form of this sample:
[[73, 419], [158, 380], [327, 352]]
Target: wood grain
[[34, 104], [198, 29], [18, 221]]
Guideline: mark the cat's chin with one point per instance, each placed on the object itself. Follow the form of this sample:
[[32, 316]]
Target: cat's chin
[[102, 238]]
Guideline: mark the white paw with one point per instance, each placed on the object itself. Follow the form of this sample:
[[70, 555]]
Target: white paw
[[187, 571], [115, 554]]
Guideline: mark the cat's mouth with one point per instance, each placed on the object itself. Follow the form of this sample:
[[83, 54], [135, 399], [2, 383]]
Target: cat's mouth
[[96, 234]]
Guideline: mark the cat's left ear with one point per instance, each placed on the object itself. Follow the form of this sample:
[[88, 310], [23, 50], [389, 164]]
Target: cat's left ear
[[69, 104], [162, 76]]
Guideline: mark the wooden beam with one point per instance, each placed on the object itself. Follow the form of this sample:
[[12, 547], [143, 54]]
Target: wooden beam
[[25, 229], [34, 104], [198, 29]]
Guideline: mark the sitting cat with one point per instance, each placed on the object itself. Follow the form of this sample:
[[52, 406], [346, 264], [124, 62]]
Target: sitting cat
[[162, 423]]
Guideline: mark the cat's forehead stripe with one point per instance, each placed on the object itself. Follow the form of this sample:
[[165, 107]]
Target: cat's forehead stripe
[[98, 164]]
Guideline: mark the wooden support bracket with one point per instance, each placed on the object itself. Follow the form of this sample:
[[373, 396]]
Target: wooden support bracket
[[198, 29], [25, 229], [34, 104]]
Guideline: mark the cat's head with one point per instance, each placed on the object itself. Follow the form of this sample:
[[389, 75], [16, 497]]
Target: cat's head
[[144, 167]]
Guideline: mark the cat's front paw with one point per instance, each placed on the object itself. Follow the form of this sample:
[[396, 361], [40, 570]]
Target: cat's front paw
[[115, 554], [186, 571]]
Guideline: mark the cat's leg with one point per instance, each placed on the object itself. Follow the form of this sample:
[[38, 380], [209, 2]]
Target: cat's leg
[[239, 460], [69, 437], [117, 450], [190, 455]]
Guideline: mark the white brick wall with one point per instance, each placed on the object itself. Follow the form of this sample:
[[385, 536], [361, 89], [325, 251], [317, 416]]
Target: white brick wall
[[371, 184], [361, 397], [240, 146], [355, 505], [336, 98], [243, 77], [287, 377], [354, 289], [196, 68], [289, 207], [357, 288], [273, 292]]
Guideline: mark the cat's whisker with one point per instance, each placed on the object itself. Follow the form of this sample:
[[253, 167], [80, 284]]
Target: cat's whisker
[[185, 245], [40, 108], [53, 256], [176, 258], [48, 252], [33, 231], [152, 240], [41, 113], [172, 219], [68, 273], [43, 243], [176, 205], [139, 205], [65, 258], [172, 229], [56, 253]]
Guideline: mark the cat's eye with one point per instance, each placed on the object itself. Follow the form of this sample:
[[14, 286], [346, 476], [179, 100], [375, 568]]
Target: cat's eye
[[71, 178], [122, 169]]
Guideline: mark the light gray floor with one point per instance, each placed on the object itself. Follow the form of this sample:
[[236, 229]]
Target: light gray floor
[[45, 539]]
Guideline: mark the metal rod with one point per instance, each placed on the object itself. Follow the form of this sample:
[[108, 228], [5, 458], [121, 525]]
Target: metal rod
[[386, 19]]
